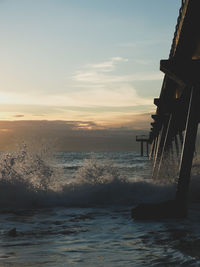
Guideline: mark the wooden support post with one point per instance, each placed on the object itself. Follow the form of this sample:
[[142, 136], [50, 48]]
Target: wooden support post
[[156, 152], [155, 148], [176, 145], [152, 149], [142, 152], [181, 137], [147, 147], [160, 144], [188, 149], [171, 149], [164, 148]]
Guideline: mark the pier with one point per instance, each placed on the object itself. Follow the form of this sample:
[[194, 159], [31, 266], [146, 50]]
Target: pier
[[143, 139], [175, 122]]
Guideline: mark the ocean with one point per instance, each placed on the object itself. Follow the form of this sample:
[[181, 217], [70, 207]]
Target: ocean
[[74, 209]]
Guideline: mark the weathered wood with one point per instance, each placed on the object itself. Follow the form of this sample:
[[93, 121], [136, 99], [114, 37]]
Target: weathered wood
[[157, 102], [187, 37], [147, 148], [156, 153], [142, 152], [181, 137], [164, 148], [155, 117], [176, 145], [143, 139], [182, 71], [161, 141], [188, 148], [180, 100], [155, 148], [152, 149]]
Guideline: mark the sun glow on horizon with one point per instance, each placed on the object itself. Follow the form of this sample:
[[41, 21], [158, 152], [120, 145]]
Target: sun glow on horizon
[[99, 66]]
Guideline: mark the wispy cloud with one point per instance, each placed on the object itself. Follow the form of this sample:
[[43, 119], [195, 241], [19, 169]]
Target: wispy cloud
[[94, 93], [103, 73], [137, 43], [18, 116], [106, 66], [99, 78], [93, 85], [122, 95], [100, 85], [104, 116]]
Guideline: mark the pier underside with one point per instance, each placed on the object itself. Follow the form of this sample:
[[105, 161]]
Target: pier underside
[[175, 122]]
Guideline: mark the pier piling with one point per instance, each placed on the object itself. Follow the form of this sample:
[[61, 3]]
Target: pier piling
[[177, 115]]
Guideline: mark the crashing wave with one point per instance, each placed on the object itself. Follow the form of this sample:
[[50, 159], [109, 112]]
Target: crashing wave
[[28, 179]]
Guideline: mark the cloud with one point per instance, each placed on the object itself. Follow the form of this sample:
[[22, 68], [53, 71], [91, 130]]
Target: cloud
[[122, 95], [95, 93], [98, 114], [140, 43], [135, 122], [106, 66], [100, 74], [99, 85], [4, 130], [18, 116], [99, 78]]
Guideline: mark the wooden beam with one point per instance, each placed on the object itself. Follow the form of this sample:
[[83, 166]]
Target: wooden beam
[[155, 117], [183, 72], [157, 102], [187, 33]]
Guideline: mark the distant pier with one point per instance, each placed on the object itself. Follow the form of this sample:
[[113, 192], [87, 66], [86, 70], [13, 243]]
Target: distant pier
[[143, 139]]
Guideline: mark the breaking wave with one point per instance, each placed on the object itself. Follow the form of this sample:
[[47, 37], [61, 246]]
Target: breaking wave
[[31, 180]]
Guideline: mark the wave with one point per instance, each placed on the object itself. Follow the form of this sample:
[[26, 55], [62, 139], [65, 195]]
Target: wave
[[71, 167], [29, 180], [117, 192]]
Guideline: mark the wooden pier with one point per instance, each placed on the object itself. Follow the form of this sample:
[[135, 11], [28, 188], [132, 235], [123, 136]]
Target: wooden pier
[[175, 122], [143, 139]]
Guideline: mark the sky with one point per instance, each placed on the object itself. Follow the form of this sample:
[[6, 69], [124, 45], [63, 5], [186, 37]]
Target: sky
[[65, 136], [94, 62]]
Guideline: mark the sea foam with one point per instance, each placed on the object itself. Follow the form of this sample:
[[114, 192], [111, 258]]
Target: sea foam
[[29, 179]]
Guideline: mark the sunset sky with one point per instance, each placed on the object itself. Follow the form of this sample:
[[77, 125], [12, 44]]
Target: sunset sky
[[91, 61]]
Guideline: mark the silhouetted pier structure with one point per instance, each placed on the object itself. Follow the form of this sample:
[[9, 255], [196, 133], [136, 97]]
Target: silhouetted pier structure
[[175, 123], [143, 139]]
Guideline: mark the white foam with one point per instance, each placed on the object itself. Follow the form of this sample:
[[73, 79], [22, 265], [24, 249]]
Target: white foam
[[29, 180]]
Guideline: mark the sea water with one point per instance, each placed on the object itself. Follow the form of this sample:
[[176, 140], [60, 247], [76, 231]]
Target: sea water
[[74, 209]]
